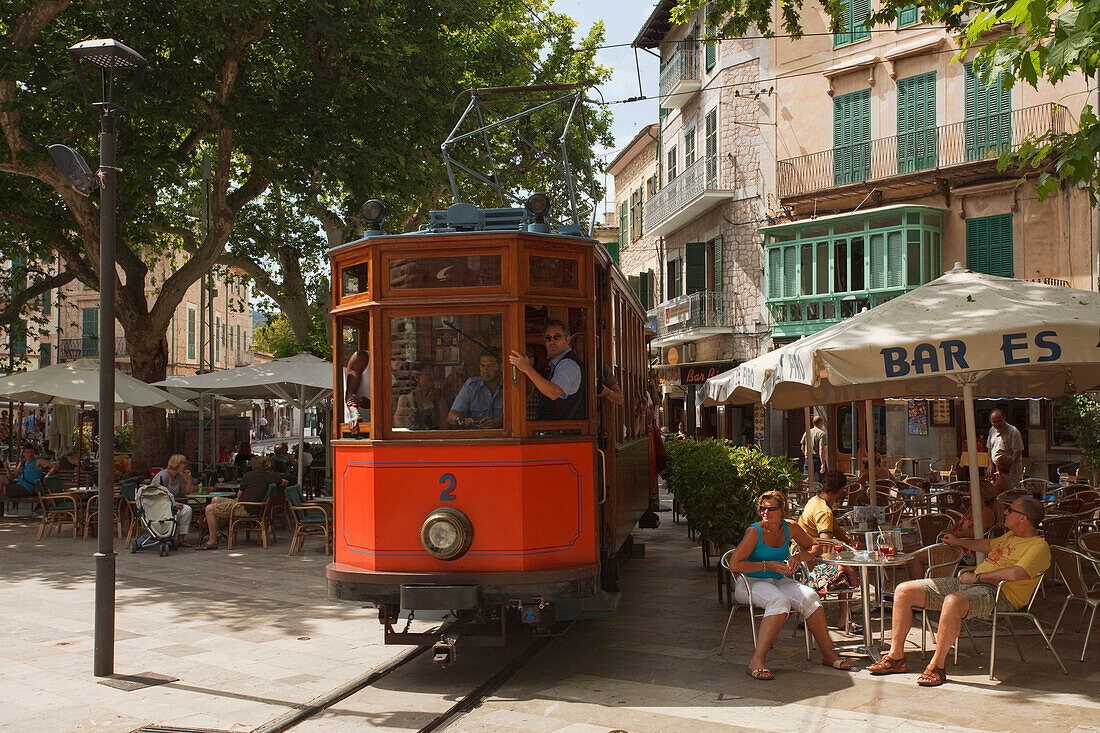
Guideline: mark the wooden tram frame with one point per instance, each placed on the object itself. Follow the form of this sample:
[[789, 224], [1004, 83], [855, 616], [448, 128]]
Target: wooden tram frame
[[372, 562]]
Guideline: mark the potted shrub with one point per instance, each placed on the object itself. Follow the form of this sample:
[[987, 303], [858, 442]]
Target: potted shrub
[[1082, 415]]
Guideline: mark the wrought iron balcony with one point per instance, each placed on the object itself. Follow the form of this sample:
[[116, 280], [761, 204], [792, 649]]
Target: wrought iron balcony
[[680, 75], [949, 146], [694, 316], [701, 186], [88, 348]]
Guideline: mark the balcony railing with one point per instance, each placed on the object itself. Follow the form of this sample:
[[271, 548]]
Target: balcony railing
[[683, 65], [956, 144], [1048, 281], [804, 315], [695, 310], [87, 348]]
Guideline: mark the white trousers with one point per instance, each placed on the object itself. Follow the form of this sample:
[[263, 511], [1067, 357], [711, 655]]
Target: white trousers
[[183, 517], [778, 596]]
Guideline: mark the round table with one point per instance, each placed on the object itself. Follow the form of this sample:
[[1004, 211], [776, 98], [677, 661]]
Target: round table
[[208, 495], [865, 561]]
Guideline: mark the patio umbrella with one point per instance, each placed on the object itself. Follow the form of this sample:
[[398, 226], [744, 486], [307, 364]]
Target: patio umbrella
[[964, 334], [302, 380]]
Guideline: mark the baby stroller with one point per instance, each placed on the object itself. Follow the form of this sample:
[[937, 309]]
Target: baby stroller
[[156, 507]]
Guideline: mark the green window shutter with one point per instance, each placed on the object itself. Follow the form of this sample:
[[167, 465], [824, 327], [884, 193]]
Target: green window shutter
[[908, 16], [860, 10], [44, 355], [988, 118], [695, 267], [878, 261], [844, 36], [719, 277], [790, 272], [47, 302], [673, 280], [647, 279], [612, 249], [989, 245], [89, 331], [711, 127], [895, 259], [191, 333], [624, 233], [851, 137], [711, 46], [775, 273], [917, 123], [634, 281]]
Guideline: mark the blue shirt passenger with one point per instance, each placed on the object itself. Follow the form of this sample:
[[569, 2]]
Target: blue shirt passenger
[[480, 402]]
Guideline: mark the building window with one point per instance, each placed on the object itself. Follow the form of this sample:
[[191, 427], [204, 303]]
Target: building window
[[192, 321], [988, 115], [45, 355], [47, 303], [711, 146], [89, 331], [624, 227], [672, 164], [695, 267], [217, 339], [852, 137], [989, 245], [689, 147], [636, 214], [675, 280], [817, 274], [712, 46], [908, 16], [917, 123], [853, 23]]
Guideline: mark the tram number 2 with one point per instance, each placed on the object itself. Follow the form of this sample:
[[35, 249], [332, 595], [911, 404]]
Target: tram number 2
[[448, 493]]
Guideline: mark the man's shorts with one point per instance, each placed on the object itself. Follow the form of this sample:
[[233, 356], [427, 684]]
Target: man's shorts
[[980, 595], [223, 505]]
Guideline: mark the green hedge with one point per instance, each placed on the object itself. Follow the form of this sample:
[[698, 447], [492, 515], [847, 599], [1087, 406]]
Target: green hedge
[[718, 483]]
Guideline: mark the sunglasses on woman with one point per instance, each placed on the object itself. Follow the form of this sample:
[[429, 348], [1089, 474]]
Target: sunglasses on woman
[[766, 509]]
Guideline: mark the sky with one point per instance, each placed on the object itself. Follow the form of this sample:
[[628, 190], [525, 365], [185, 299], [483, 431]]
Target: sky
[[622, 19]]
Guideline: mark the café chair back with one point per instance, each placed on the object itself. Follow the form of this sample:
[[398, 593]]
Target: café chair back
[[945, 468], [310, 520], [1024, 613], [1089, 543], [724, 567], [1057, 530], [258, 519], [931, 526], [954, 500], [940, 561], [58, 508], [1069, 563]]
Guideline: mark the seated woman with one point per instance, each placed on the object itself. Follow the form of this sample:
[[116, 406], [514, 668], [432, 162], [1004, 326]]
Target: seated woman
[[176, 477], [881, 473], [764, 557], [25, 477], [818, 521], [420, 408], [253, 488], [244, 453]]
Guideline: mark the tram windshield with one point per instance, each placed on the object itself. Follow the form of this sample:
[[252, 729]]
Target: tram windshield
[[445, 372]]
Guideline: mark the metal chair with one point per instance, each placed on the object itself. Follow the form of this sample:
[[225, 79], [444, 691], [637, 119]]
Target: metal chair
[[261, 522], [1068, 563], [310, 520], [724, 567], [1024, 613], [954, 500], [58, 508], [940, 562]]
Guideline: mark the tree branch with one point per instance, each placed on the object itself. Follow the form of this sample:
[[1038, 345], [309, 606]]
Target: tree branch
[[14, 309]]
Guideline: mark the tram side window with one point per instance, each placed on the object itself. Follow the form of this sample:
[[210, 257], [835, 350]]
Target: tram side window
[[445, 372], [554, 364], [465, 271], [353, 280], [354, 405]]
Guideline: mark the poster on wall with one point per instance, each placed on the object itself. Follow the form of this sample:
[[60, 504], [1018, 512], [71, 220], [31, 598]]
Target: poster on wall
[[918, 417], [758, 423], [943, 414]]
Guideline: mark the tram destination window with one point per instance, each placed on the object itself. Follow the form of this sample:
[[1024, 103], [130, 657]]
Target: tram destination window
[[554, 272], [446, 373], [466, 271], [353, 280]]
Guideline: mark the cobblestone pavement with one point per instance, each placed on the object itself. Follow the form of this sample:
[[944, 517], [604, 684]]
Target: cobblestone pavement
[[250, 635]]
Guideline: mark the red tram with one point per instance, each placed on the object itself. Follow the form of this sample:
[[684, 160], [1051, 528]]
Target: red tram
[[460, 485]]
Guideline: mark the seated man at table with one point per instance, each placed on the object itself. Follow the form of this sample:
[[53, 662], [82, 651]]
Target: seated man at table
[[480, 402], [1016, 556], [881, 472], [253, 488], [818, 521], [177, 479], [25, 477]]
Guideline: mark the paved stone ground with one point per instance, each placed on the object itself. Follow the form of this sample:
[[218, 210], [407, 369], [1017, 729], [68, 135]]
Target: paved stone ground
[[250, 635]]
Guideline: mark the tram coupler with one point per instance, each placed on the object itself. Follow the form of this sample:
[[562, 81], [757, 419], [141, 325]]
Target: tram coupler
[[538, 614], [445, 652]]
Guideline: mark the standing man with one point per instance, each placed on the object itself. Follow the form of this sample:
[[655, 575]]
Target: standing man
[[819, 444], [1004, 440], [561, 397]]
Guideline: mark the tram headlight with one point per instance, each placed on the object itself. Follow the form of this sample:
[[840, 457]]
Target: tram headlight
[[446, 534], [539, 205], [374, 212]]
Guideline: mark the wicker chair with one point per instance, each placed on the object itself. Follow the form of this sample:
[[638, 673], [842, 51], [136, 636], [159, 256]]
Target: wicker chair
[[58, 508], [310, 520], [953, 500], [931, 526], [260, 521]]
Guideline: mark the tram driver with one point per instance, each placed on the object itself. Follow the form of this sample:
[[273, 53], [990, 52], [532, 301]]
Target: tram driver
[[561, 397], [480, 402]]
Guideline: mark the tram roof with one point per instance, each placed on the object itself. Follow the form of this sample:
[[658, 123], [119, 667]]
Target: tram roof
[[463, 218]]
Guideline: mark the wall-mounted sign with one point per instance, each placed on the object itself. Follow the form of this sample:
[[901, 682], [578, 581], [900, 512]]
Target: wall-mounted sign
[[758, 422], [672, 355], [697, 374]]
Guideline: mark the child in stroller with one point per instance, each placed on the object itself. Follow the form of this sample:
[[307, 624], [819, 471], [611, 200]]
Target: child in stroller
[[156, 507]]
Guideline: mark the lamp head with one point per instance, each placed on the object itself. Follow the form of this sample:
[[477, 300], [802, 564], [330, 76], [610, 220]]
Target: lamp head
[[374, 212], [538, 204], [108, 55], [75, 169]]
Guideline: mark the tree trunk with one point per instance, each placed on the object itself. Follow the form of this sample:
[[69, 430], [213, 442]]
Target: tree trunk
[[149, 359]]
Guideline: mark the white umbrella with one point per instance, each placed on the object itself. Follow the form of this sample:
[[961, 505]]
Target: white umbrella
[[964, 334], [76, 382], [303, 380]]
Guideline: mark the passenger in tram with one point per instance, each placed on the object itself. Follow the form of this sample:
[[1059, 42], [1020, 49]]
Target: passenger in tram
[[480, 402], [562, 395], [357, 388], [468, 354], [607, 384], [421, 408]]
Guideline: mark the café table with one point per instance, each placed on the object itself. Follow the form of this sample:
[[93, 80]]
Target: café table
[[227, 486], [205, 497], [865, 560]]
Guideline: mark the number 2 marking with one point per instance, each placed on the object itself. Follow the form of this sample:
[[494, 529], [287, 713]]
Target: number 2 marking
[[448, 494]]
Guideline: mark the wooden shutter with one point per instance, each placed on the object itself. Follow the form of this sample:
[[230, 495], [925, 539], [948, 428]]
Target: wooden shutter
[[711, 131], [695, 267], [989, 245], [612, 249], [851, 137], [908, 16], [790, 272], [988, 120], [895, 259], [860, 10], [877, 255], [673, 280], [712, 46], [89, 323], [719, 278], [624, 231], [917, 123], [775, 273], [645, 288]]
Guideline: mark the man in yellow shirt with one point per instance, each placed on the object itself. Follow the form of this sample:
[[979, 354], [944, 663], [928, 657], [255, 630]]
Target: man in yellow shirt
[[1016, 556], [818, 521]]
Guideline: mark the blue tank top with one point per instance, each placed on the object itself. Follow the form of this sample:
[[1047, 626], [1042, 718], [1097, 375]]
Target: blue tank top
[[30, 474], [762, 552]]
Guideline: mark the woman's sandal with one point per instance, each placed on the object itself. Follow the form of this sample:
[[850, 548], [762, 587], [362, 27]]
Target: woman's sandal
[[839, 663], [760, 674], [932, 677]]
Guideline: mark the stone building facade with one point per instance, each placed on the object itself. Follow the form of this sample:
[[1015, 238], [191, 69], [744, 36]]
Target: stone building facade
[[635, 171]]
